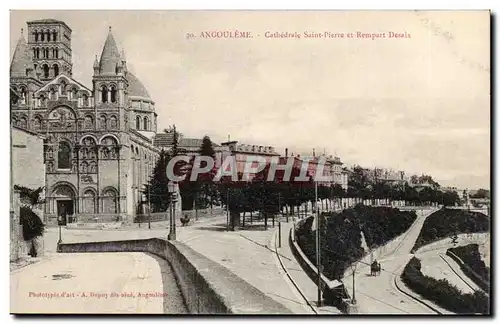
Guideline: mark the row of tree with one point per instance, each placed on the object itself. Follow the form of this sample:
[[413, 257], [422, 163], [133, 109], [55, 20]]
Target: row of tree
[[269, 198]]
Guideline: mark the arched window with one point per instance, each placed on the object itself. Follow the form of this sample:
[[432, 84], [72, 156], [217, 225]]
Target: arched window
[[42, 36], [146, 123], [57, 53], [45, 71], [54, 36], [47, 33], [56, 69], [64, 156], [36, 36], [73, 93], [44, 52], [34, 52], [37, 52], [113, 94], [138, 123], [104, 94]]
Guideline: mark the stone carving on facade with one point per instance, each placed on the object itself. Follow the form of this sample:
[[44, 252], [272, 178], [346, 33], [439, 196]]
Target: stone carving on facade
[[74, 166], [88, 123], [49, 153], [83, 167], [93, 167], [50, 167], [62, 119], [87, 179], [105, 153]]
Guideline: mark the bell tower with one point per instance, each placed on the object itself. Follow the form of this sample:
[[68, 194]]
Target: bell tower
[[49, 44]]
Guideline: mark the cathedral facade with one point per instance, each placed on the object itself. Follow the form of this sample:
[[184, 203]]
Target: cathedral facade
[[98, 140]]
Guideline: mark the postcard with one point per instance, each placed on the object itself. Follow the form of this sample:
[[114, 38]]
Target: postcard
[[250, 162]]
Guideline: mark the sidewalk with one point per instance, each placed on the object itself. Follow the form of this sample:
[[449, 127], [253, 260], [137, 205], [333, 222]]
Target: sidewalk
[[249, 253], [307, 287]]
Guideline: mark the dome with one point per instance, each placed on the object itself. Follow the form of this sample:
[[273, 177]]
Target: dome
[[136, 88]]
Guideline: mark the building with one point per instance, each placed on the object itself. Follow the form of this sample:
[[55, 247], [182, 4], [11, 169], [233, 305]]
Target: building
[[242, 152], [331, 169], [189, 146], [98, 146]]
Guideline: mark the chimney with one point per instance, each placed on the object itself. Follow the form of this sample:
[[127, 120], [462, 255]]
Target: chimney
[[286, 152]]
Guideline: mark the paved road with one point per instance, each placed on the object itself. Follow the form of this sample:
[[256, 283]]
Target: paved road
[[83, 283], [379, 295]]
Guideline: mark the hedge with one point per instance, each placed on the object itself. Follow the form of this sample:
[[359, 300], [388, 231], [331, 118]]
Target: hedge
[[446, 222], [442, 292], [341, 235]]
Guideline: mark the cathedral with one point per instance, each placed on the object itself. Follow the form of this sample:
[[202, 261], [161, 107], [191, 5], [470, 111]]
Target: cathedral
[[98, 141]]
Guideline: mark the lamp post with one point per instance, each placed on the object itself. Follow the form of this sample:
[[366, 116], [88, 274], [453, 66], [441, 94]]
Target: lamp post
[[59, 242], [173, 199]]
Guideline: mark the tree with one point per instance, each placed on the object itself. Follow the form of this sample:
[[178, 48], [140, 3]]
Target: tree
[[157, 188], [481, 193]]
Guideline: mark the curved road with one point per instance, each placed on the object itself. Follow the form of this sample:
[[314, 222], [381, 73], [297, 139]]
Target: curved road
[[84, 282], [379, 295]]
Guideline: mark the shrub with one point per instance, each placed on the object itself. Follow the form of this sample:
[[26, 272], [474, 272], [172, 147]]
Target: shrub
[[341, 235], [32, 224], [442, 292], [446, 222]]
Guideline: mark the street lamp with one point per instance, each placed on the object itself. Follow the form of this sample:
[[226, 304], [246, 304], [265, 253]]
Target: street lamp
[[59, 221], [172, 186]]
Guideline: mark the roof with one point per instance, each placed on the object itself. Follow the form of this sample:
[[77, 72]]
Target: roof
[[190, 142], [21, 59], [48, 21], [167, 140], [135, 87], [110, 56], [163, 139]]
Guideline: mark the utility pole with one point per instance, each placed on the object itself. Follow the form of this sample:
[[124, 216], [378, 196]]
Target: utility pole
[[318, 252]]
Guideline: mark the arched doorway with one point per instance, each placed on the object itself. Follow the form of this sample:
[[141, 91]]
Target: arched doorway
[[109, 201], [64, 197]]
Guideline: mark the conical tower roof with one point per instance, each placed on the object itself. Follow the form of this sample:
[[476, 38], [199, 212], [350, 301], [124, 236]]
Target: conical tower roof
[[110, 56], [21, 59]]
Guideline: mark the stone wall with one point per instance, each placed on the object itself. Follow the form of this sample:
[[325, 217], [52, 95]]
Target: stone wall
[[207, 287]]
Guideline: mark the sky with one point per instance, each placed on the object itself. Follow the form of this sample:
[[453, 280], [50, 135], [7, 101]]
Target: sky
[[419, 104]]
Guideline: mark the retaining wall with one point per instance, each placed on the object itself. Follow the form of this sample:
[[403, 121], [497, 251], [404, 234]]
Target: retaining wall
[[333, 290], [207, 287]]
